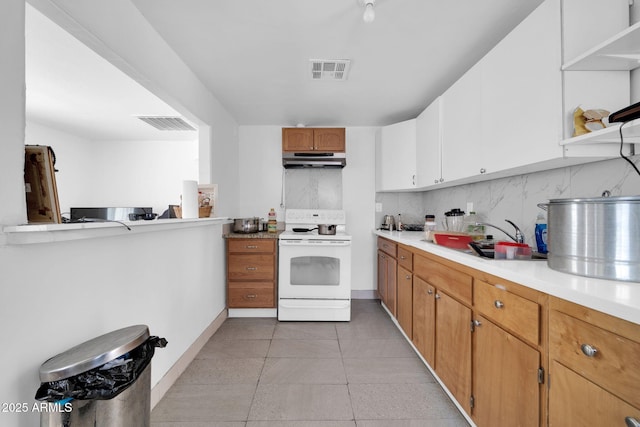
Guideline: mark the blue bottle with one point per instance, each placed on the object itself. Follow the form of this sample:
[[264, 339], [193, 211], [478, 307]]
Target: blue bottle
[[541, 234]]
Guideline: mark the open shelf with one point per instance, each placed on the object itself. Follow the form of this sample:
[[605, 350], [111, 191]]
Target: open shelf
[[619, 53], [611, 134]]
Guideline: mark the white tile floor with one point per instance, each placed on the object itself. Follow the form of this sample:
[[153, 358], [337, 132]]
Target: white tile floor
[[265, 373]]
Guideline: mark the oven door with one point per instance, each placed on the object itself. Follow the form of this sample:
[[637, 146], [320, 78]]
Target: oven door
[[314, 269]]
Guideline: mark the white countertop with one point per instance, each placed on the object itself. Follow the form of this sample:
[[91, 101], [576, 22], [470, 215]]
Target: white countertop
[[619, 299]]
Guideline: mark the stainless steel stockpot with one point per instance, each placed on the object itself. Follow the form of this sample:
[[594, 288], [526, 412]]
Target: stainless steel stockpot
[[595, 237], [246, 225]]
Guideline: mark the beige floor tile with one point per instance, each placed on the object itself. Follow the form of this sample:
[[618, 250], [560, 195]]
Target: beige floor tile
[[305, 348], [401, 401], [222, 371], [305, 331], [447, 422], [387, 371], [375, 329], [245, 330], [217, 348], [301, 424], [204, 403], [302, 402], [303, 371], [371, 348]]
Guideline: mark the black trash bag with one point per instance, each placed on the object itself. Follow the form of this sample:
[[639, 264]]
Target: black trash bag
[[106, 381]]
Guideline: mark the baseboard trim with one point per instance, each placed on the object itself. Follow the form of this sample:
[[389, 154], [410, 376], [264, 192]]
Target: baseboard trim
[[165, 383]]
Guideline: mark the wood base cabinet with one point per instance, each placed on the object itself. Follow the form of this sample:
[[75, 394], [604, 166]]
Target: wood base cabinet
[[251, 273], [424, 320], [387, 273], [595, 368]]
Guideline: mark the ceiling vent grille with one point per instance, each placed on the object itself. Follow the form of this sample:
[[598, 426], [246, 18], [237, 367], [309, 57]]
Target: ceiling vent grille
[[329, 69], [167, 123]]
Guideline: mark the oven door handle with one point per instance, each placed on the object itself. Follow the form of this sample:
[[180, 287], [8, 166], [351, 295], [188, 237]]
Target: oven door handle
[[315, 243]]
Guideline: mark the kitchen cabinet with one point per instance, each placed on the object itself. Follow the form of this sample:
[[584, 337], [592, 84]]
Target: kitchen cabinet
[[424, 319], [452, 295], [595, 368], [314, 140], [404, 285], [251, 273], [387, 274], [508, 371], [429, 145], [396, 168]]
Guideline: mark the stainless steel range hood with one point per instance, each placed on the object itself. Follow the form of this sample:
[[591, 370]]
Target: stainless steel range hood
[[314, 160]]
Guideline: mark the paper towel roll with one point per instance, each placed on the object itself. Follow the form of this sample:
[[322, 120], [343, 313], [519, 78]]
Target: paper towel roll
[[190, 199]]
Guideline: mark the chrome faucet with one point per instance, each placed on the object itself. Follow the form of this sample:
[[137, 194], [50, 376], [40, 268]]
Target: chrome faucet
[[518, 238]]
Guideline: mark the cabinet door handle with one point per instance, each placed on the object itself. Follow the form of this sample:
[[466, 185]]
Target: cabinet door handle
[[441, 179], [632, 422], [252, 268], [252, 246], [429, 292], [588, 350], [413, 180], [435, 181], [437, 296], [403, 257], [407, 277], [498, 304], [483, 170]]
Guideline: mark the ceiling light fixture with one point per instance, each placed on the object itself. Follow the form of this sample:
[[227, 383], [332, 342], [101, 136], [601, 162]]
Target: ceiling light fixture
[[369, 11]]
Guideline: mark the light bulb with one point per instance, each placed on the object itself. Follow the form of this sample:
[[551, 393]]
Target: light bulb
[[369, 13]]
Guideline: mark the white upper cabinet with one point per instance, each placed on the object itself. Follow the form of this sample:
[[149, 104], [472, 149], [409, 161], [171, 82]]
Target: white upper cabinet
[[429, 145], [397, 163], [462, 126]]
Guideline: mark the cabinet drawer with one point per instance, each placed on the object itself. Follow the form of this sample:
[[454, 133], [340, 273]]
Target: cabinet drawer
[[251, 245], [510, 311], [405, 258], [251, 295], [615, 366], [455, 283], [251, 267], [387, 246]]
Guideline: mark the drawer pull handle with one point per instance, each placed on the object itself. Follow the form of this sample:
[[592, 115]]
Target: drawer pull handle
[[498, 304], [430, 292], [252, 246], [632, 422], [251, 296], [252, 268], [403, 257], [588, 350]]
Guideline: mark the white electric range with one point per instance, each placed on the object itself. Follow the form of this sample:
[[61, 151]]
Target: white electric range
[[314, 282]]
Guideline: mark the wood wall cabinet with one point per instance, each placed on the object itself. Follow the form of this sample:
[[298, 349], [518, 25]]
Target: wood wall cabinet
[[251, 273], [387, 273], [595, 368], [314, 140]]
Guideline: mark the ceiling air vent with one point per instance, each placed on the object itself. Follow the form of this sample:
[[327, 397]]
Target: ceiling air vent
[[329, 69], [166, 123]]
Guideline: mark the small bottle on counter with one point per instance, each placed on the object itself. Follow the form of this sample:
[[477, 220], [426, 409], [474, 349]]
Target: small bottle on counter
[[429, 226], [541, 234], [272, 224], [399, 225]]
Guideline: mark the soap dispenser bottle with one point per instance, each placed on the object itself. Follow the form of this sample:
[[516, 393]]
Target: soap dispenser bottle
[[541, 233]]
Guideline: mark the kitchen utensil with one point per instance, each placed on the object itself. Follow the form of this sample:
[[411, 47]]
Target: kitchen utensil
[[246, 225], [454, 220], [452, 239], [388, 222], [595, 237], [327, 229], [303, 230]]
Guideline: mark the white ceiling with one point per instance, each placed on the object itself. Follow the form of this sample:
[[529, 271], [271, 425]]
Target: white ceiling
[[254, 57]]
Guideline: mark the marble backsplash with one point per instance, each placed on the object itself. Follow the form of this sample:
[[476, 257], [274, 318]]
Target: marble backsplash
[[309, 188], [515, 198]]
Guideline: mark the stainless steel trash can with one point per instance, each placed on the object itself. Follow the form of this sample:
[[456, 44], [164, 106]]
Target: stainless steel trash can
[[130, 407]]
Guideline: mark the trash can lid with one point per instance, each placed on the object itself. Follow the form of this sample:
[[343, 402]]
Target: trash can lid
[[93, 353]]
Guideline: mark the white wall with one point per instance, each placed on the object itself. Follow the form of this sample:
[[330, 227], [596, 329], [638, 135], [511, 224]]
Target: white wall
[[261, 179], [117, 173], [56, 295]]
